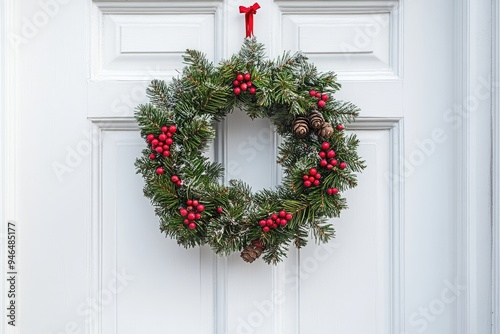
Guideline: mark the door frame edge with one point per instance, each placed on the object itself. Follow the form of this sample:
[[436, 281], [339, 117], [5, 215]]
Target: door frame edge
[[495, 114], [9, 158]]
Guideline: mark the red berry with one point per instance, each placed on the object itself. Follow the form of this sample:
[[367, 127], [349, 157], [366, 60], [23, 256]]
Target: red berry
[[166, 154], [282, 213], [162, 137], [178, 184], [307, 184], [159, 149], [236, 83], [262, 223], [269, 222], [160, 171], [305, 177], [335, 191], [317, 176], [164, 129], [151, 137], [237, 91], [191, 216], [169, 141], [324, 97], [311, 178], [219, 209], [274, 216], [312, 93], [247, 77], [174, 179], [257, 243], [329, 191], [334, 162], [249, 83], [192, 226], [274, 226], [316, 183], [283, 222], [288, 216], [313, 171], [239, 77], [189, 208], [189, 202], [325, 146], [197, 216], [200, 208], [169, 135], [152, 156], [318, 95], [323, 163], [330, 154], [252, 90], [329, 166], [243, 86], [322, 154], [321, 103], [343, 165], [183, 212], [166, 147], [172, 129], [340, 127], [195, 203], [186, 221], [265, 229], [154, 142]]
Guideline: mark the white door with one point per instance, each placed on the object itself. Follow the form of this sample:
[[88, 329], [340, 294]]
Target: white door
[[411, 255]]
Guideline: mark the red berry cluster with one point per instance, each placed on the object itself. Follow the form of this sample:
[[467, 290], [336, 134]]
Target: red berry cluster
[[161, 144], [176, 180], [243, 83], [312, 179], [192, 212], [332, 191], [327, 156], [273, 221], [322, 98]]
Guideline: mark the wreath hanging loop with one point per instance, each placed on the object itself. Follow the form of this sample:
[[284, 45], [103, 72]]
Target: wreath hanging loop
[[319, 159]]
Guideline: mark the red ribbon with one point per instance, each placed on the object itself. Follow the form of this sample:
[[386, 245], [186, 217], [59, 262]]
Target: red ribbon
[[249, 11]]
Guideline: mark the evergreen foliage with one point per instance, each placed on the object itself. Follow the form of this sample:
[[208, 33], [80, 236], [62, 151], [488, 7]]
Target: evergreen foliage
[[202, 96]]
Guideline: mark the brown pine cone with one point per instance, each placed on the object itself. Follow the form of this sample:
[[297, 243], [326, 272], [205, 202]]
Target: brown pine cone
[[251, 252], [326, 131], [316, 120], [301, 126]]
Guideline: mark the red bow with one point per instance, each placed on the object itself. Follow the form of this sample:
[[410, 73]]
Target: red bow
[[249, 11]]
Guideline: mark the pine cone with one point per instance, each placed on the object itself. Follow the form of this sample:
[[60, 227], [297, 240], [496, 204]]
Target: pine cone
[[326, 131], [316, 120], [301, 126], [251, 252]]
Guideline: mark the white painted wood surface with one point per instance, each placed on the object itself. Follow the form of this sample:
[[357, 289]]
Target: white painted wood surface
[[413, 252]]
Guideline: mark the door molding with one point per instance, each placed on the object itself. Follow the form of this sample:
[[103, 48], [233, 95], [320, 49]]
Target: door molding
[[395, 126], [9, 132], [475, 210]]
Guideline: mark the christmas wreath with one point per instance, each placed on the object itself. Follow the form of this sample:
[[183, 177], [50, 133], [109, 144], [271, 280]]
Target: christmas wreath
[[318, 158]]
